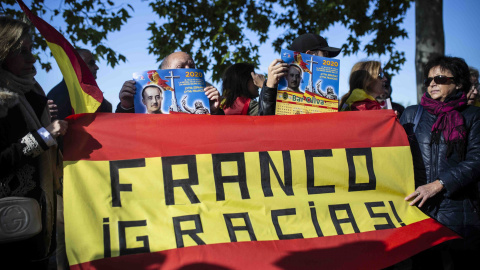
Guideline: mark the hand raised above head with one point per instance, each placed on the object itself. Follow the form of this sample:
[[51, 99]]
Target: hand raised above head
[[214, 97], [258, 79], [276, 71]]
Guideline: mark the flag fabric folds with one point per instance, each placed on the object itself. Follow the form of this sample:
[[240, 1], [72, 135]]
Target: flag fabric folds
[[85, 96], [214, 192]]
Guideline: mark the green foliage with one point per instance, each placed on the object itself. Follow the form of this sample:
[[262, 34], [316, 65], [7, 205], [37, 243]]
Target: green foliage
[[220, 32], [87, 22], [216, 33]]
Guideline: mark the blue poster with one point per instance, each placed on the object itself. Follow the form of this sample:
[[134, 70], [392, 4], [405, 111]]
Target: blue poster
[[310, 73], [171, 91]]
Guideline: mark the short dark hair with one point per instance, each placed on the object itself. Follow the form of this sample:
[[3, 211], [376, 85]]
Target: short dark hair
[[152, 85], [235, 82], [455, 65], [82, 50]]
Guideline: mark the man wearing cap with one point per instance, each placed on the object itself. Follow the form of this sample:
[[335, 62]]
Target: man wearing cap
[[315, 45], [307, 43]]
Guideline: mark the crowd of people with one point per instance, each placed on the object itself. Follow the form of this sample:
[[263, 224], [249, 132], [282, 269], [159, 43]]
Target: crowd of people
[[443, 133]]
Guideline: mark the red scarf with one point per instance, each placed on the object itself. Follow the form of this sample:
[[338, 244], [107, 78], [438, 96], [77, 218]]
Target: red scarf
[[240, 106]]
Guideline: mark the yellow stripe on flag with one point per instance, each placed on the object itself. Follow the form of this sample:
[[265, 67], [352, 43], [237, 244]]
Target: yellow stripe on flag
[[81, 101], [88, 211]]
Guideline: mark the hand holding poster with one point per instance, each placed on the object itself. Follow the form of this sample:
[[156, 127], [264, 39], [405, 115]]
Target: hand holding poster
[[171, 90], [311, 84]]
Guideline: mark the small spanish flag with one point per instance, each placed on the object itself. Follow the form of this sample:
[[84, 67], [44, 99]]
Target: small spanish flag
[[156, 79], [299, 61], [85, 96]]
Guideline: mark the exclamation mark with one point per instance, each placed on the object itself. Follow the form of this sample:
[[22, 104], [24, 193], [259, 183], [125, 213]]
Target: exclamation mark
[[396, 214], [107, 251]]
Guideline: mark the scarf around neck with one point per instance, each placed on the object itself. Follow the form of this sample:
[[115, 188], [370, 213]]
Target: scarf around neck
[[359, 100], [449, 121], [50, 160]]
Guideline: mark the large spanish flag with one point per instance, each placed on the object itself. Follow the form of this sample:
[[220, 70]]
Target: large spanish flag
[[85, 96], [318, 191]]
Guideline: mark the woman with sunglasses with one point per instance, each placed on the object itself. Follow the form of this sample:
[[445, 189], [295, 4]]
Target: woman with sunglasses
[[367, 84], [444, 135]]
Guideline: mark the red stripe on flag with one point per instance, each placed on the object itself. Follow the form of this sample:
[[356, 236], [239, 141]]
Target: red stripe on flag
[[85, 77], [369, 250], [111, 136]]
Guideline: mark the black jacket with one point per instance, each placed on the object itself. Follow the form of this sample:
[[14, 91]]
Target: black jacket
[[457, 206], [267, 100], [20, 171]]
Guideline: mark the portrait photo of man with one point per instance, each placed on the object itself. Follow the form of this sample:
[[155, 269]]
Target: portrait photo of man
[[152, 97], [294, 78]]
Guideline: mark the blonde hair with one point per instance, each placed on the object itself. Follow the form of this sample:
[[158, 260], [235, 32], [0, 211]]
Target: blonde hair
[[362, 75], [12, 32]]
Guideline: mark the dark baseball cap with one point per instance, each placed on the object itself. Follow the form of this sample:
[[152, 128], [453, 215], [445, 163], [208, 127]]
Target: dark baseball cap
[[313, 42]]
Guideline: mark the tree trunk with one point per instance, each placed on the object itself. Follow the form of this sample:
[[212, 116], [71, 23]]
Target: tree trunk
[[430, 38]]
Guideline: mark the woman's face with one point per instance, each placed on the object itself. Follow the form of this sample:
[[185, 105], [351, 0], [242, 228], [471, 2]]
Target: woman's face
[[440, 91], [252, 88], [20, 62], [377, 87]]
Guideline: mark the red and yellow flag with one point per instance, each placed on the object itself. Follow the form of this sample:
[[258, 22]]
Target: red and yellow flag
[[85, 96], [156, 79], [317, 191], [299, 61]]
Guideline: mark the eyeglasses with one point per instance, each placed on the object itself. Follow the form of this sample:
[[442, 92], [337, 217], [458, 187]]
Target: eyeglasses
[[440, 79]]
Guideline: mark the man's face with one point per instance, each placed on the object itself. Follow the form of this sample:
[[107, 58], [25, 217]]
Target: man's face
[[180, 60], [293, 77], [152, 98], [90, 61]]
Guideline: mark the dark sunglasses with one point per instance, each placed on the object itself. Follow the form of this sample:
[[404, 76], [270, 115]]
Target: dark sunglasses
[[440, 79]]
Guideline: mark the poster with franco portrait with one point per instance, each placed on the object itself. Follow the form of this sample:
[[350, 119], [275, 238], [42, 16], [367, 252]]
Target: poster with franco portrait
[[311, 84], [170, 91]]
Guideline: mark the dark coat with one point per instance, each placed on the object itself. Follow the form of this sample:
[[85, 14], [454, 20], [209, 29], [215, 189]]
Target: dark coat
[[457, 206], [267, 101], [19, 173]]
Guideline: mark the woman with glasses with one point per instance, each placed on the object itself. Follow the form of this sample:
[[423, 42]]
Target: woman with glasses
[[367, 84], [444, 137]]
